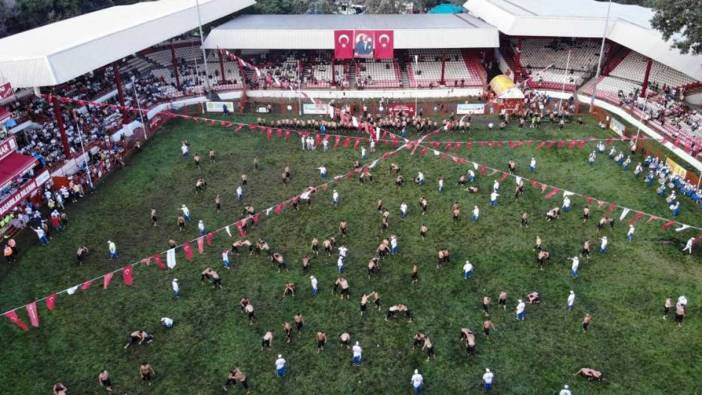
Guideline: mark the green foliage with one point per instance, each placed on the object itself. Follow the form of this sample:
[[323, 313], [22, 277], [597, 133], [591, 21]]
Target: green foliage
[[674, 17], [639, 352]]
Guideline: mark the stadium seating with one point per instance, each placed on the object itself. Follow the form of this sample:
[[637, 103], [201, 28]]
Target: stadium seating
[[377, 74], [633, 67], [546, 63], [426, 71]]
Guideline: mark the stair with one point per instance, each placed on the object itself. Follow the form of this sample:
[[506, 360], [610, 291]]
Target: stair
[[615, 59], [404, 80]]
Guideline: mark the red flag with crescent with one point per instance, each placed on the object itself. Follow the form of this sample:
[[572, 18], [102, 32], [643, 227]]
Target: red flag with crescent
[[343, 44], [384, 44]]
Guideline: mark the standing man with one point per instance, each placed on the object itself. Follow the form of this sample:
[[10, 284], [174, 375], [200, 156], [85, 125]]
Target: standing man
[[280, 366], [417, 381], [403, 210], [488, 377], [532, 164], [521, 310], [467, 270], [688, 245], [565, 390], [630, 233], [575, 263], [225, 259], [603, 244], [493, 197], [335, 198], [476, 214], [571, 300], [314, 283], [112, 248], [357, 354], [176, 288], [239, 193], [104, 380]]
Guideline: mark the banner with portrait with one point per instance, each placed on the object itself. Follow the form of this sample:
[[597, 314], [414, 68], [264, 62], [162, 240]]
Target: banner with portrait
[[364, 44]]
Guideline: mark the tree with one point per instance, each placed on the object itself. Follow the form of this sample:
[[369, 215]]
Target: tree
[[681, 20], [381, 7]]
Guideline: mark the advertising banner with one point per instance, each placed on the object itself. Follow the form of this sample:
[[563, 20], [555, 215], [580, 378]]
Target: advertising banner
[[398, 108], [315, 109], [617, 126], [7, 146], [676, 168], [470, 108], [218, 106]]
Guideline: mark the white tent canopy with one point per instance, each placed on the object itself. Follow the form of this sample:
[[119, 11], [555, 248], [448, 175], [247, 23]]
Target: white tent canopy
[[629, 25], [317, 31], [61, 51]]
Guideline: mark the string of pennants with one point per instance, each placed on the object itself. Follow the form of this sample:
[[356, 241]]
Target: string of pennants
[[550, 191], [127, 272]]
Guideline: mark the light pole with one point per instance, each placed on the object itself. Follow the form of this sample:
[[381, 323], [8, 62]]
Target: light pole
[[565, 77], [599, 60], [202, 45], [141, 116], [82, 148], [416, 86]]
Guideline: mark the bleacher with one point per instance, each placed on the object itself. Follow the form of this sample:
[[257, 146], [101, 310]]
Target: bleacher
[[320, 75], [377, 74], [633, 68], [458, 71]]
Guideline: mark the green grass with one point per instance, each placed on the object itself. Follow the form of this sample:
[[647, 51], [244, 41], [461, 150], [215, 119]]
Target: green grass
[[624, 290]]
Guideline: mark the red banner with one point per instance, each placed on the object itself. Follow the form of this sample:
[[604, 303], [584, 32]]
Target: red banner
[[5, 90], [51, 302], [127, 276], [384, 44], [33, 314], [12, 316], [188, 251], [343, 44], [159, 262], [106, 280], [397, 108]]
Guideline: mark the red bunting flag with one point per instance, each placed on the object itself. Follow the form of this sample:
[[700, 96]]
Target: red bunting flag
[[269, 134], [317, 140], [561, 144], [386, 155], [242, 229], [336, 141], [106, 280], [498, 144], [201, 245], [535, 184], [637, 216], [504, 176], [572, 144], [612, 207], [588, 199], [357, 143], [540, 145], [12, 316], [127, 276], [278, 209], [210, 238], [279, 133], [482, 169], [159, 262], [581, 144], [51, 302], [423, 151], [469, 144], [86, 285], [188, 251], [668, 224], [457, 145], [436, 144], [256, 218], [551, 194], [395, 141], [238, 128], [347, 142], [652, 218], [287, 135], [33, 314], [447, 146]]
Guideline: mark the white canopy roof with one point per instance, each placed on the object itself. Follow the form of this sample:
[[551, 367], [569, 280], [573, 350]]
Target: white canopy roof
[[61, 51], [317, 31], [629, 25]]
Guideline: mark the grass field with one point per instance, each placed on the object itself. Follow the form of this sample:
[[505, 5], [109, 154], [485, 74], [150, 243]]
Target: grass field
[[624, 290]]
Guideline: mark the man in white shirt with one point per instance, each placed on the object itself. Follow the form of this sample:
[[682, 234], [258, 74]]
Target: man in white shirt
[[303, 139], [420, 178], [314, 283], [186, 213], [184, 150], [630, 232], [571, 300], [493, 198], [603, 244], [325, 145], [488, 376], [340, 264], [363, 152], [403, 210], [575, 263], [335, 198], [357, 354], [417, 381], [280, 366], [372, 145], [239, 193], [167, 322], [225, 259], [688, 245], [41, 235], [476, 214], [322, 172], [176, 288], [521, 310], [441, 184], [467, 270], [112, 248], [394, 245], [532, 164], [565, 390], [566, 204], [495, 186]]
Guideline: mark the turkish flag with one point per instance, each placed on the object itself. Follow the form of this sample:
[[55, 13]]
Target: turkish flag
[[551, 194], [256, 218], [188, 251], [210, 239], [5, 90], [201, 245], [343, 44], [12, 316], [86, 285], [278, 209], [33, 314], [384, 44], [51, 302], [159, 262], [106, 280], [127, 276]]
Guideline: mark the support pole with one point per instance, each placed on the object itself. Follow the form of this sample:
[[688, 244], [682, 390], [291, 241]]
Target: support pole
[[647, 74], [120, 93], [221, 67], [175, 66], [442, 81], [58, 117]]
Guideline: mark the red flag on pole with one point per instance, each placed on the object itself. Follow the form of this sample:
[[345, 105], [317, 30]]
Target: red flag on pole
[[159, 262], [127, 276], [86, 285], [33, 314], [51, 302], [106, 280], [612, 207], [636, 218], [12, 316], [210, 238], [668, 224], [188, 251], [551, 194], [201, 245]]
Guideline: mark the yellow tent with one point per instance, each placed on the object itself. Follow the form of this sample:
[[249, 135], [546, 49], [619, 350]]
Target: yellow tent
[[504, 88]]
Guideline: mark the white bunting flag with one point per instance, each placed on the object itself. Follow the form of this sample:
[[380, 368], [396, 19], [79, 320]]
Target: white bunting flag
[[171, 258]]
